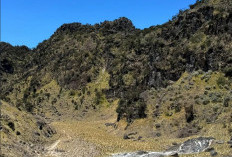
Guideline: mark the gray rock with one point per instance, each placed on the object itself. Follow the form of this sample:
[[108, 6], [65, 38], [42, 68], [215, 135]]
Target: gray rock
[[157, 126], [219, 142], [139, 138], [141, 152], [158, 134], [213, 153], [229, 142], [126, 137], [174, 154], [174, 143], [209, 149], [110, 124], [195, 145]]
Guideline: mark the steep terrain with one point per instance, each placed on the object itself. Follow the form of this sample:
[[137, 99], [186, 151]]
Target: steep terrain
[[165, 82]]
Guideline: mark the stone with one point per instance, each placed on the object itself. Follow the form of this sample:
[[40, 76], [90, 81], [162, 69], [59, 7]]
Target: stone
[[109, 124], [229, 142], [195, 145], [132, 133], [174, 143], [158, 134], [141, 152], [174, 154], [126, 137], [139, 138], [219, 142], [209, 149], [157, 126], [213, 153], [37, 134], [129, 135]]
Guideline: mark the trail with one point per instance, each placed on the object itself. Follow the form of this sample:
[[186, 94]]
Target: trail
[[53, 146], [67, 146], [51, 150]]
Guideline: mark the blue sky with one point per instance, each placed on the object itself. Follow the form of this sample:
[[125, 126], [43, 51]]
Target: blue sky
[[28, 22]]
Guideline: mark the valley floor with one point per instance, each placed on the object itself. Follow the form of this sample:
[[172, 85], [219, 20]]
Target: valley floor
[[90, 139]]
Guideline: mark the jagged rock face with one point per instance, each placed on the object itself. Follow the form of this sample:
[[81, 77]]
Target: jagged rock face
[[136, 60]]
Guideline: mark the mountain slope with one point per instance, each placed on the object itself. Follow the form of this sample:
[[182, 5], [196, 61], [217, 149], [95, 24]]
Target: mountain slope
[[136, 60], [83, 69]]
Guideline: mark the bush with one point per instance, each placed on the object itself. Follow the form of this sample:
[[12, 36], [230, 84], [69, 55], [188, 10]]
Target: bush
[[72, 93], [11, 125], [29, 107], [221, 81], [228, 71]]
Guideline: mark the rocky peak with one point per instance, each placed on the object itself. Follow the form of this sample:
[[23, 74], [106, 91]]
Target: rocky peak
[[121, 24]]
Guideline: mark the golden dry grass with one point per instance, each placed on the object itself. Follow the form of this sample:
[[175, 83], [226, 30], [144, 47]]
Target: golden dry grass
[[107, 141]]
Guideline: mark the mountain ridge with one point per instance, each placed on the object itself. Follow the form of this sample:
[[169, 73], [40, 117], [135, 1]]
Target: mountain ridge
[[167, 73], [158, 48]]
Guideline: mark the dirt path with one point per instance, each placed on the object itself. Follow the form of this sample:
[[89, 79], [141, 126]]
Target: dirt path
[[51, 150], [68, 146]]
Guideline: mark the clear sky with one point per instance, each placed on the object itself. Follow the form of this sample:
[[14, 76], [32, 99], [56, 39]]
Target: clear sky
[[28, 22]]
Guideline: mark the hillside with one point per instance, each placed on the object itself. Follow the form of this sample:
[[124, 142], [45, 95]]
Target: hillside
[[174, 77]]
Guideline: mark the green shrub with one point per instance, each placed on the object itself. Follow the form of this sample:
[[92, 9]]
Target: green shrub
[[228, 71], [221, 81], [72, 93], [29, 107]]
